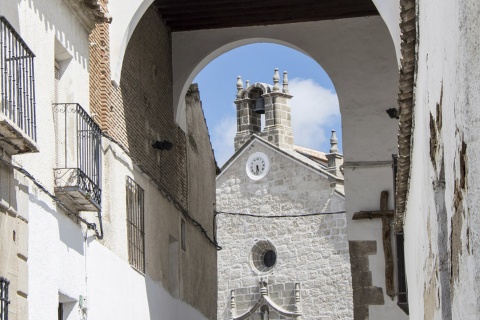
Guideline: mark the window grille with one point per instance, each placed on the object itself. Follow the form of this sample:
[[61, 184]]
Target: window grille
[[135, 225], [4, 302], [17, 80], [79, 156]]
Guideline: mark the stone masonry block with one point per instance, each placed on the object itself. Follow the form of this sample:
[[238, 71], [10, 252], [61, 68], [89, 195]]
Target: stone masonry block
[[22, 287], [361, 279], [22, 238], [362, 248], [368, 296], [359, 264], [360, 312]]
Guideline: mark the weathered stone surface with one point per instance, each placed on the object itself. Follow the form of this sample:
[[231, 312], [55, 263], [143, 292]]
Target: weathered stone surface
[[362, 248], [311, 250]]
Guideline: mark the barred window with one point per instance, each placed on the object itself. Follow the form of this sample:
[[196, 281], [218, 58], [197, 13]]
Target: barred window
[[4, 302], [135, 225]]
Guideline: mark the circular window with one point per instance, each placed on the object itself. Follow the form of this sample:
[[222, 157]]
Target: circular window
[[263, 256]]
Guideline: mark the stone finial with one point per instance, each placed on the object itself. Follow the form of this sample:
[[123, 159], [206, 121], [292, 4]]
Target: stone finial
[[233, 306], [239, 87], [285, 83], [263, 288], [247, 83], [276, 78], [333, 142], [298, 308]]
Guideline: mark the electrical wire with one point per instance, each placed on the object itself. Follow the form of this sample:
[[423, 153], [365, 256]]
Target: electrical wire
[[292, 215], [73, 215], [167, 195]]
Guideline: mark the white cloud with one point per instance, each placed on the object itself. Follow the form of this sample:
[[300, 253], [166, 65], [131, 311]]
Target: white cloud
[[222, 139], [314, 108]]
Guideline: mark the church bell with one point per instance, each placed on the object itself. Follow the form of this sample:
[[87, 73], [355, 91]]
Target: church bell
[[260, 106]]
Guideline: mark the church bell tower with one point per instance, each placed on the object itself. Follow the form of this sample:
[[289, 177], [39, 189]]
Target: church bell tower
[[261, 98]]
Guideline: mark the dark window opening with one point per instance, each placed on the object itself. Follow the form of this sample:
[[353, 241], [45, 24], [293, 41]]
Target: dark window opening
[[269, 258], [401, 275], [60, 311], [183, 235]]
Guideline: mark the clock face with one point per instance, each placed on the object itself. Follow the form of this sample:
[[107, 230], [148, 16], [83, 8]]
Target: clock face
[[257, 166]]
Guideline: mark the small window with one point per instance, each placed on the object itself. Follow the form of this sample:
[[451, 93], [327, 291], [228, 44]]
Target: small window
[[4, 302], [183, 235], [263, 256], [135, 225], [269, 258]]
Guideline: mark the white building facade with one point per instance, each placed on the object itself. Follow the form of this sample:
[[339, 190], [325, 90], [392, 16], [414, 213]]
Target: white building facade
[[86, 231]]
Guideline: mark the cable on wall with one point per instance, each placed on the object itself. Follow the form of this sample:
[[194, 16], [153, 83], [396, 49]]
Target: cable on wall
[[71, 214], [167, 195], [279, 216]]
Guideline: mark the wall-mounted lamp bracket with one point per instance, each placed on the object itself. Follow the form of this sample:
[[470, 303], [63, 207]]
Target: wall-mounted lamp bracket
[[163, 145]]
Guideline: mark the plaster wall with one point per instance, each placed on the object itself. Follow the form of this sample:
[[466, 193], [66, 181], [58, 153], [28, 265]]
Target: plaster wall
[[58, 268], [196, 265], [310, 250], [441, 221], [128, 13], [42, 23], [117, 291], [57, 259], [44, 26]]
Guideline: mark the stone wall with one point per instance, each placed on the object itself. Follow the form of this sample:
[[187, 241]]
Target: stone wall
[[312, 251], [364, 293]]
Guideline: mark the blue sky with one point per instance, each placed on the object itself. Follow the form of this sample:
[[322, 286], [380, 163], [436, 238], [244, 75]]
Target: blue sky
[[315, 109]]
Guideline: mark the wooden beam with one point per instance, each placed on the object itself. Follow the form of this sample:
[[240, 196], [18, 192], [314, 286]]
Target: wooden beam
[[185, 15], [387, 247], [373, 214], [190, 25]]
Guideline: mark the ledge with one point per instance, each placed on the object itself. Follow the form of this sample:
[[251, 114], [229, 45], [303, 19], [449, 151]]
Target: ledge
[[89, 12], [13, 139]]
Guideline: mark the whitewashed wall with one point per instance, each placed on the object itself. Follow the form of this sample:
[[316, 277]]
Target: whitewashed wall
[[441, 222], [65, 262]]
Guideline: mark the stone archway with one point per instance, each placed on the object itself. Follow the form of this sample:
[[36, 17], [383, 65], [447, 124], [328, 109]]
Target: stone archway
[[361, 59]]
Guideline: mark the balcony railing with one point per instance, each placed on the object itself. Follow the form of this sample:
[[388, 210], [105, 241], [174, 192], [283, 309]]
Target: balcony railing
[[78, 172], [17, 100]]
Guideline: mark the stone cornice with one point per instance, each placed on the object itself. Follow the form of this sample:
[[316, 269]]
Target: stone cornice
[[89, 12], [408, 64]]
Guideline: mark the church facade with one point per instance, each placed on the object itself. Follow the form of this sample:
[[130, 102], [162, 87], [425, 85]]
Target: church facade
[[280, 219]]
